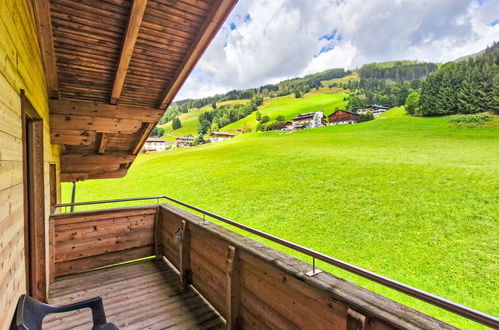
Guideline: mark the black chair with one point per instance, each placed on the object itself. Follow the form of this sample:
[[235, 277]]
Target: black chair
[[30, 313]]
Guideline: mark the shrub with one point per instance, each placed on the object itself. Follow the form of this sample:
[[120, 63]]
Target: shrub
[[470, 119], [366, 117]]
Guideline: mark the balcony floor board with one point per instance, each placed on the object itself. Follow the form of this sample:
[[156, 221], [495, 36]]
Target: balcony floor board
[[139, 295]]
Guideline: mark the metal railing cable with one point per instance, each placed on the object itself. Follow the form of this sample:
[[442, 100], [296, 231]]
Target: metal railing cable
[[443, 303]]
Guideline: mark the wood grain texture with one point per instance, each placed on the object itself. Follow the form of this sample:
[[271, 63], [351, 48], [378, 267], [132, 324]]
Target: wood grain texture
[[257, 287], [21, 67], [86, 240], [132, 31], [139, 295]]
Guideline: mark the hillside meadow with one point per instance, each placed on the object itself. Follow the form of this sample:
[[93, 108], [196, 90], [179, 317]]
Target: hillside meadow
[[413, 199], [289, 108]]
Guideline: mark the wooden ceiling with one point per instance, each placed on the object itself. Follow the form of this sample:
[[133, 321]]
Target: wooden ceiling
[[112, 68]]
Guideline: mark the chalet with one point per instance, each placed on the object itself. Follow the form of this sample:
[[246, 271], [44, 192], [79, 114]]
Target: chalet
[[154, 144], [82, 85], [220, 136], [304, 120], [183, 142], [340, 117]]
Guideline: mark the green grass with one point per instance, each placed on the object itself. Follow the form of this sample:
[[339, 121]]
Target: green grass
[[291, 107], [414, 199], [190, 120], [393, 113]]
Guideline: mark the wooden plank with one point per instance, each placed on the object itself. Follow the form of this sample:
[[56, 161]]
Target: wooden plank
[[219, 12], [95, 229], [95, 109], [44, 27], [73, 177], [96, 159], [233, 298], [132, 31], [95, 215], [72, 137], [185, 256], [355, 320], [99, 124], [79, 265], [11, 173]]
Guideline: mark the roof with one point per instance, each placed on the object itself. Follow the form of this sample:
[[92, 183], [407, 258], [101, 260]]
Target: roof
[[377, 106], [184, 138], [155, 139], [112, 68], [304, 115], [222, 133], [350, 112]]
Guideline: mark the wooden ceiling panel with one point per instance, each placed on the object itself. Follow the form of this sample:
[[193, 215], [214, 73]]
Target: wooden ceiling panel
[[132, 53]]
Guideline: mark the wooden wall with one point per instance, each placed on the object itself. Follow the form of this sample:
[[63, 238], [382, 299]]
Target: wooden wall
[[86, 240], [20, 68], [257, 287]]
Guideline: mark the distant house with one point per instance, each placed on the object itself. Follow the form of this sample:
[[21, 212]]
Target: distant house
[[310, 119], [220, 136], [375, 109], [183, 142], [154, 144], [340, 117]]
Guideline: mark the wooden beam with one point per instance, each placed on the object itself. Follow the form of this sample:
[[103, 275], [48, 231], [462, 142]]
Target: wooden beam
[[95, 109], [96, 159], [99, 124], [72, 177], [185, 256], [132, 31], [72, 137], [46, 42], [220, 10], [233, 297], [146, 131], [102, 143]]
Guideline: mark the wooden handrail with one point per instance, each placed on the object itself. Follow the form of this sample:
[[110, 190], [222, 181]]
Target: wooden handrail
[[443, 303]]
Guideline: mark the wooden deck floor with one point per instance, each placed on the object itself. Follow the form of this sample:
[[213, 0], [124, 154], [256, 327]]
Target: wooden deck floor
[[140, 295]]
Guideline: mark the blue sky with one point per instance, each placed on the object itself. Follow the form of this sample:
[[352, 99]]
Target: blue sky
[[265, 41]]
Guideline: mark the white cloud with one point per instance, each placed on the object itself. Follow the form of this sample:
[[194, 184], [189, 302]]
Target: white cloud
[[265, 41]]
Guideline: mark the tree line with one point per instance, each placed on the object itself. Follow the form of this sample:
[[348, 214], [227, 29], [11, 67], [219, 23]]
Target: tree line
[[463, 87], [213, 120], [398, 71]]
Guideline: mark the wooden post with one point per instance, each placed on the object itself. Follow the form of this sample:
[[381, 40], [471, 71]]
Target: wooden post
[[51, 250], [185, 256], [233, 289], [355, 320], [158, 225]]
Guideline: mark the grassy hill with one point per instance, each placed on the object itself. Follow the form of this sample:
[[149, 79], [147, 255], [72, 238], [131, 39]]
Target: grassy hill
[[291, 107], [414, 199], [190, 120]]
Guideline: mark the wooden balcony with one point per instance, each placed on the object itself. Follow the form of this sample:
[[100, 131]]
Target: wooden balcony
[[243, 283]]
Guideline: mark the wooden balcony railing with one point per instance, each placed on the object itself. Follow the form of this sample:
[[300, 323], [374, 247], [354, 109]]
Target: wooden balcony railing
[[250, 284]]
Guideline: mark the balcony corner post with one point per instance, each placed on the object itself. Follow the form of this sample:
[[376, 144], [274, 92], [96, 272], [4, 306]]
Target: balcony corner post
[[233, 298]]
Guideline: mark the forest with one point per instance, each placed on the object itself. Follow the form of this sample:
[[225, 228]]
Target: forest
[[463, 87], [398, 71]]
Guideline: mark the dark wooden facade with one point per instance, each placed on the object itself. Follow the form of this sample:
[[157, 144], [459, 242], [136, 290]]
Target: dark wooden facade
[[342, 116]]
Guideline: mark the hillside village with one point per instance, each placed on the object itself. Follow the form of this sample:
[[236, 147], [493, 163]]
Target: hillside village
[[302, 121]]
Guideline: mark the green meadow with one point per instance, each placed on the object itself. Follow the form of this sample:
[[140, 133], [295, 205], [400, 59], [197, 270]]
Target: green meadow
[[413, 199], [289, 108]]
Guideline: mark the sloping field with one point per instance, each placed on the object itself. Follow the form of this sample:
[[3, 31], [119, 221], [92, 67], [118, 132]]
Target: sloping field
[[414, 199], [291, 107]]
